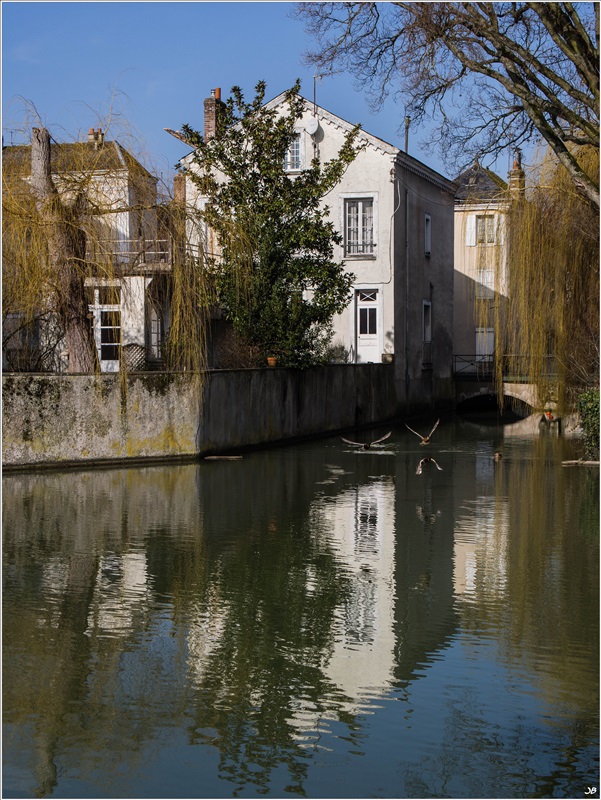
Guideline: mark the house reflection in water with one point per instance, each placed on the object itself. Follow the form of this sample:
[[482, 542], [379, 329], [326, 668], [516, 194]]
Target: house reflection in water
[[360, 523], [480, 541]]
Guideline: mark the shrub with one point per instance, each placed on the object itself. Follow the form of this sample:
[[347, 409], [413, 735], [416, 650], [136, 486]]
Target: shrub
[[588, 408]]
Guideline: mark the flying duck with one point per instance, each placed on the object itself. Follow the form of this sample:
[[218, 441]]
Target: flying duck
[[426, 460], [424, 439], [367, 445]]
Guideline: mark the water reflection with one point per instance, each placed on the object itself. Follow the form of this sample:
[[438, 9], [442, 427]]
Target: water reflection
[[307, 621]]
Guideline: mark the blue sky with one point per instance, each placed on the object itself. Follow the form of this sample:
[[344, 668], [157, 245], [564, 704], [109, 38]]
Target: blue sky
[[152, 64]]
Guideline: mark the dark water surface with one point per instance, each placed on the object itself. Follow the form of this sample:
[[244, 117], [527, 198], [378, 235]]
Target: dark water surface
[[310, 621]]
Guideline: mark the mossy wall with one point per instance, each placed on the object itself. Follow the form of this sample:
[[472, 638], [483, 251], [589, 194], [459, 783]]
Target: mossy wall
[[59, 420]]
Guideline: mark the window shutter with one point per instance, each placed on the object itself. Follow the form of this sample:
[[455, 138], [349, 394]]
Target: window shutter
[[470, 230]]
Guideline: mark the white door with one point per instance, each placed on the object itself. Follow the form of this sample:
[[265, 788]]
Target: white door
[[368, 326]]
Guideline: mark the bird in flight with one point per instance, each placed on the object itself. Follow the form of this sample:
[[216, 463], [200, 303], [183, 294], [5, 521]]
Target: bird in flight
[[426, 460], [424, 439], [367, 445]]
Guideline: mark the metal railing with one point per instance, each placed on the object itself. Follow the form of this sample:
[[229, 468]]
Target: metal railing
[[130, 252], [473, 366], [514, 368]]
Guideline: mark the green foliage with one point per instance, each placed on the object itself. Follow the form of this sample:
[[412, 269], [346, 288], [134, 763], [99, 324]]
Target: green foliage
[[588, 408], [275, 275]]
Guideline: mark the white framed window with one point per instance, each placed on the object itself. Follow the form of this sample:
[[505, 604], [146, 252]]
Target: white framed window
[[485, 229], [485, 283], [426, 332], [481, 229], [359, 227], [293, 160], [427, 234]]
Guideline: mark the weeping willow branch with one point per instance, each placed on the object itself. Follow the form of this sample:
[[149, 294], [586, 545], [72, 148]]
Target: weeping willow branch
[[546, 308]]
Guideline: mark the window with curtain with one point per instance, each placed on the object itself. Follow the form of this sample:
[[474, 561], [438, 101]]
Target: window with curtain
[[359, 227]]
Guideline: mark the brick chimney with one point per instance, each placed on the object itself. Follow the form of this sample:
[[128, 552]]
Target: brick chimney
[[179, 189], [517, 176], [213, 106], [96, 137]]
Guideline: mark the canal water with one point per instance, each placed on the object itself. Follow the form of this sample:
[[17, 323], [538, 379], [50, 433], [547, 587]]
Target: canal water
[[315, 620]]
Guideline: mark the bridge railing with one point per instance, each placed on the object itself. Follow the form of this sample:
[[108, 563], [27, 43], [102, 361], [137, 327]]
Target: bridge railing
[[473, 367], [522, 368], [515, 368]]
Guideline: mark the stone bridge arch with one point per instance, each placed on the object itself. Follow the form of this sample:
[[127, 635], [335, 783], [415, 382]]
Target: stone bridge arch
[[523, 396]]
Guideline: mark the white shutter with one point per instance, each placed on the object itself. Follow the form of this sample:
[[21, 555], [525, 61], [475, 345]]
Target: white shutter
[[470, 230]]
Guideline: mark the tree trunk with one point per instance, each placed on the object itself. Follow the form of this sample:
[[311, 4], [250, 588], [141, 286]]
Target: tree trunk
[[66, 253]]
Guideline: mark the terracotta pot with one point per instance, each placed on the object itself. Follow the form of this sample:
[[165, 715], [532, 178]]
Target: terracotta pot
[[272, 361]]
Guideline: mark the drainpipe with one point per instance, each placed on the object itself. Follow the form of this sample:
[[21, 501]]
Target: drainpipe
[[406, 295]]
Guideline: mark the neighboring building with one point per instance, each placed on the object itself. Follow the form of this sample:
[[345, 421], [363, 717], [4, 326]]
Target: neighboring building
[[481, 205], [396, 218], [128, 256]]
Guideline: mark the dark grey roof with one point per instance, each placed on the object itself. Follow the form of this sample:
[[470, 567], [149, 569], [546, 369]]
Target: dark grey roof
[[74, 156], [479, 183]]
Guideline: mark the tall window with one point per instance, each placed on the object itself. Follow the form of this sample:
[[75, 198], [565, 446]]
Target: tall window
[[485, 283], [485, 229], [359, 227], [106, 308], [292, 161], [427, 332], [485, 344], [427, 234]]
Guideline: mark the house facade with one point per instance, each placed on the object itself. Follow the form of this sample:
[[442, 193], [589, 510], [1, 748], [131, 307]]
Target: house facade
[[481, 278], [127, 256], [395, 215]]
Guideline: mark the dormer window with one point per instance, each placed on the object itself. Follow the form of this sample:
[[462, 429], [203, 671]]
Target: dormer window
[[292, 160]]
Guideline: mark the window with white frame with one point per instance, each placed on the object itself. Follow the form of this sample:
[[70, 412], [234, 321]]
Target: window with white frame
[[359, 227], [485, 229], [293, 159], [427, 234], [106, 310], [481, 229], [485, 283]]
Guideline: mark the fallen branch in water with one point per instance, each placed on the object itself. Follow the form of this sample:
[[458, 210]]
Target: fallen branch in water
[[579, 463]]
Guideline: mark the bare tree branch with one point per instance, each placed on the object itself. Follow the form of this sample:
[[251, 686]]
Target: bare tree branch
[[539, 62]]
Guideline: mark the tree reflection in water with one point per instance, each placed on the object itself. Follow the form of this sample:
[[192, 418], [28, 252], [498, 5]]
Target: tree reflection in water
[[272, 612]]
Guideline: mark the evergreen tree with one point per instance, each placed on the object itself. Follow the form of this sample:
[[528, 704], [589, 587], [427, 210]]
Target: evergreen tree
[[275, 275]]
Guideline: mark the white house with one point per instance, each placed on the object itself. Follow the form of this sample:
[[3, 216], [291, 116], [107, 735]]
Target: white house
[[124, 251], [396, 218]]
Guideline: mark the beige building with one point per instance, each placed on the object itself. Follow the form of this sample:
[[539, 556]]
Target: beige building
[[480, 255]]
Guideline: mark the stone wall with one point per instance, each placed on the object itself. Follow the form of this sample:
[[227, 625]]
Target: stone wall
[[63, 420]]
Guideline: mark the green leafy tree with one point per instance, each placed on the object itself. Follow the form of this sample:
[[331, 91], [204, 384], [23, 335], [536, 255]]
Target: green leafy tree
[[275, 274]]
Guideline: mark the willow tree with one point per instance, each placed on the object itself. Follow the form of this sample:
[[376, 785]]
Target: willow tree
[[44, 250], [491, 75], [547, 312], [275, 275], [78, 216]]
